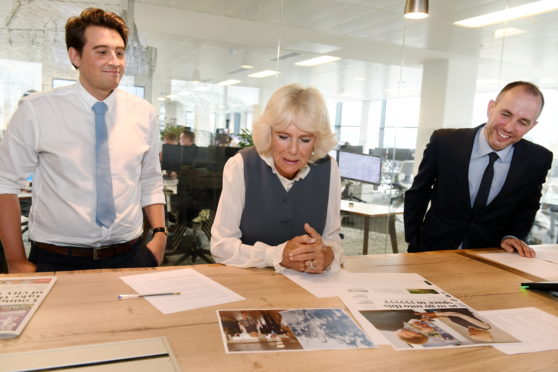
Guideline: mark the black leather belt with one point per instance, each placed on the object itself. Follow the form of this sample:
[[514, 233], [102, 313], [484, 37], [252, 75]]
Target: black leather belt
[[95, 253]]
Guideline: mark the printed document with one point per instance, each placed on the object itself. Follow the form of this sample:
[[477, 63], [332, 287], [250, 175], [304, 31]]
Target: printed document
[[19, 299], [409, 312], [535, 329]]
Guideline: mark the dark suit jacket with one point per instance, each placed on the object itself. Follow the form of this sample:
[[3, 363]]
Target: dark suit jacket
[[443, 180]]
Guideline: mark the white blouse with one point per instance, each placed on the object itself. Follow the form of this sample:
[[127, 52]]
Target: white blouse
[[226, 246]]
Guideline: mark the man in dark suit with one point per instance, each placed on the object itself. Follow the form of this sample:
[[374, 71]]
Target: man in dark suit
[[459, 164]]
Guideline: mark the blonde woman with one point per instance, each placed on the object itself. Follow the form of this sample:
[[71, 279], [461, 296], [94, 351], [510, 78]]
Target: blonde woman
[[280, 201]]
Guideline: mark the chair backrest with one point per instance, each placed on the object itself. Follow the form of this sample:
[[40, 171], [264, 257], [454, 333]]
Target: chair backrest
[[198, 189]]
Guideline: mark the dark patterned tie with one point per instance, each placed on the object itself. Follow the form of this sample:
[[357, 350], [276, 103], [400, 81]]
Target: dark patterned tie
[[486, 182], [105, 202]]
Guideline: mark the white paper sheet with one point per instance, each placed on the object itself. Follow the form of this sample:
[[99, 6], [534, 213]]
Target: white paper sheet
[[333, 284], [320, 285], [535, 328], [542, 265], [196, 290], [547, 252], [392, 291]]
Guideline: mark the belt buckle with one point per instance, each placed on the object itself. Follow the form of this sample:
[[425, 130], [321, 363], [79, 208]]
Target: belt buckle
[[96, 250]]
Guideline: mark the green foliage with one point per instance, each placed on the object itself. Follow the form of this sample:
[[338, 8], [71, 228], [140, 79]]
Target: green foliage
[[245, 138], [176, 129]]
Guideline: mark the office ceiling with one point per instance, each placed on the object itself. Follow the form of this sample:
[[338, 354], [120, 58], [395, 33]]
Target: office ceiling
[[213, 38]]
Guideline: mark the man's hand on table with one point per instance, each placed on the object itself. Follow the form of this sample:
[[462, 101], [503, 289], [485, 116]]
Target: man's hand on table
[[511, 244]]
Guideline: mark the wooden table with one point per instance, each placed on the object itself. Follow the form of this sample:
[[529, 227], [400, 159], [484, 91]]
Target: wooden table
[[82, 309], [368, 211]]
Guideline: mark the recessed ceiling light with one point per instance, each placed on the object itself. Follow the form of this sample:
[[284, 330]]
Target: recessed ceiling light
[[506, 32], [521, 11], [311, 47], [263, 74], [246, 67], [318, 61], [229, 82]]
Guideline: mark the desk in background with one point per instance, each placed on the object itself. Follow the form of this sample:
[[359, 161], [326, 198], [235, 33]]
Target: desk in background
[[368, 211], [82, 309]]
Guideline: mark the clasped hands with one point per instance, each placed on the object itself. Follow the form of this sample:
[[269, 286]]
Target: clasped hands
[[307, 253]]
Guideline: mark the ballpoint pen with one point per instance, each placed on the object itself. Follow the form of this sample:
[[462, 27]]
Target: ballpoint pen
[[138, 295]]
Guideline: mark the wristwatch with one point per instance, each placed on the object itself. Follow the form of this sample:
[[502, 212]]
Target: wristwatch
[[159, 229]]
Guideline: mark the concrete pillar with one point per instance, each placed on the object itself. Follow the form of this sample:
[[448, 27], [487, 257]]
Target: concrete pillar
[[447, 98], [363, 140]]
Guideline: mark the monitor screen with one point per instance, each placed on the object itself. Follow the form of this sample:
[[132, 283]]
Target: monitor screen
[[360, 167], [393, 153], [175, 156]]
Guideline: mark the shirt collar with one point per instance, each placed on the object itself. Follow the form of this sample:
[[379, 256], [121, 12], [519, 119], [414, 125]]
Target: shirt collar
[[89, 100], [484, 148], [303, 172]]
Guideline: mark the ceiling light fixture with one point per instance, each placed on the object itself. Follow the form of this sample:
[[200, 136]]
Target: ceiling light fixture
[[196, 76], [247, 67], [229, 82], [521, 11], [507, 32], [317, 61], [416, 9], [263, 74]]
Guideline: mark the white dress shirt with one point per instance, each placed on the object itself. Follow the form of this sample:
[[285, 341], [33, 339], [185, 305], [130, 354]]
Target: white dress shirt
[[479, 161], [226, 246], [52, 135]]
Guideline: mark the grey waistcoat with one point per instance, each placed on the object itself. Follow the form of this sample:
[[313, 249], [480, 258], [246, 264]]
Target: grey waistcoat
[[272, 215]]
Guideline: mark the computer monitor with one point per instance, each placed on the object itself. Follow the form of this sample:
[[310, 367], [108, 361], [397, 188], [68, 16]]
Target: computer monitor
[[360, 167], [358, 149], [175, 156], [391, 153], [214, 157]]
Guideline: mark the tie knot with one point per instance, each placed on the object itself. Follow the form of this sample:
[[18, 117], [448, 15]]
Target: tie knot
[[100, 108], [493, 157]]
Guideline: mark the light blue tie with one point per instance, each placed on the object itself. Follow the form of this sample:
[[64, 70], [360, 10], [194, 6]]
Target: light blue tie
[[105, 201]]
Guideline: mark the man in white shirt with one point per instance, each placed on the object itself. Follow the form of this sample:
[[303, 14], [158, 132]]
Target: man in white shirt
[[75, 222]]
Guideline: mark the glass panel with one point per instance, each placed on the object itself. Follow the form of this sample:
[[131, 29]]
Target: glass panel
[[395, 81]]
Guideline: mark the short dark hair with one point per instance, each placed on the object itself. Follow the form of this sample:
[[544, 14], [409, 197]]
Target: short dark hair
[[528, 87], [189, 134], [170, 136], [76, 26]]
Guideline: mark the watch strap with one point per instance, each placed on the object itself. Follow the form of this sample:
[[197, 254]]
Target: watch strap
[[155, 230]]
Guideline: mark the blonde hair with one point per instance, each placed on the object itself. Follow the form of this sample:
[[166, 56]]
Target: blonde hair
[[305, 108]]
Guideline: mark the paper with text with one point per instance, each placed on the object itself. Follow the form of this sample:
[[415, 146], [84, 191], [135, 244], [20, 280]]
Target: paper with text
[[535, 329], [409, 312]]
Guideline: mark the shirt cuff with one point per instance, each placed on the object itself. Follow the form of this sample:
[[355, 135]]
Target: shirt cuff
[[274, 256]]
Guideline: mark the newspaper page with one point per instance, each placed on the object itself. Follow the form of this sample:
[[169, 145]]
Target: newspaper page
[[253, 331], [413, 313], [19, 299]]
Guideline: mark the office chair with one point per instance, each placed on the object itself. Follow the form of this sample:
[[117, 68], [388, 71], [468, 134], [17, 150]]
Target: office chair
[[198, 190]]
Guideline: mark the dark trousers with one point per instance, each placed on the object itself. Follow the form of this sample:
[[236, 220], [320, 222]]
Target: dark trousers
[[138, 256]]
